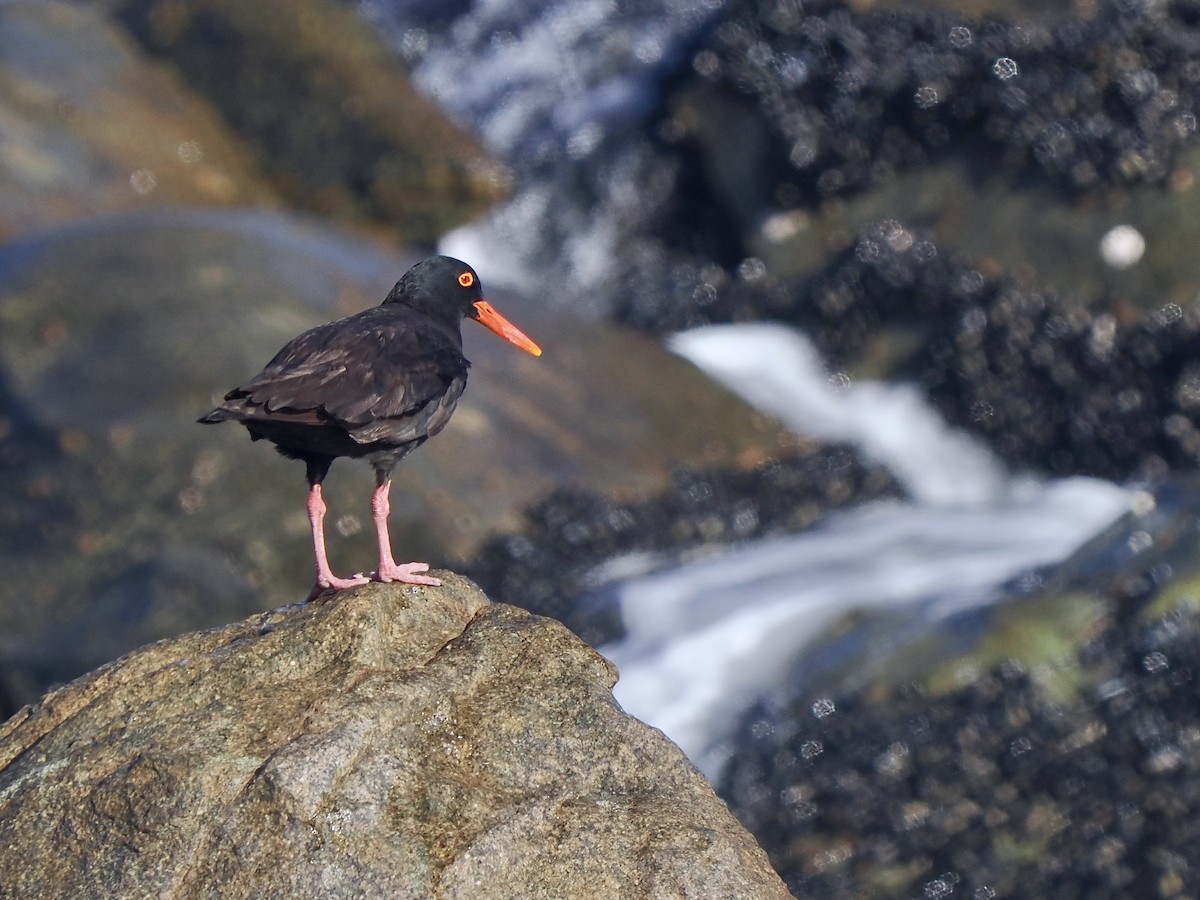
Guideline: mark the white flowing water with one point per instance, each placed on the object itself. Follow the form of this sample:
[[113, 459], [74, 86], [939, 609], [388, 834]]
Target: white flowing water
[[706, 639], [777, 369]]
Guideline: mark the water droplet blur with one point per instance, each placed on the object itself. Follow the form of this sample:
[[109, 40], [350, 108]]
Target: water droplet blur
[[971, 282], [867, 250], [926, 97], [649, 49], [1140, 541], [804, 153], [823, 707], [519, 547], [1005, 68], [895, 761], [924, 251], [189, 152], [961, 37], [1030, 582], [793, 71], [810, 750], [751, 269], [898, 238], [839, 381], [191, 500], [942, 886], [707, 64], [585, 139], [1143, 503], [781, 226], [143, 181], [1168, 314], [414, 43], [1122, 246], [1156, 662]]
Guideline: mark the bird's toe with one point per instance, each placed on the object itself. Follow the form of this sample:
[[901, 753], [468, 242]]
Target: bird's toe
[[408, 573]]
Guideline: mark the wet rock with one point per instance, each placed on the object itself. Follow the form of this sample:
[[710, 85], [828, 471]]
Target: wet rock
[[386, 741], [90, 125], [116, 334], [1044, 746], [326, 109], [993, 787], [845, 99]]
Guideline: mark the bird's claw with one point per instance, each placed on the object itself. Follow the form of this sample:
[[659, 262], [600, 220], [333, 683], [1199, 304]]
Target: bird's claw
[[408, 573], [333, 583]]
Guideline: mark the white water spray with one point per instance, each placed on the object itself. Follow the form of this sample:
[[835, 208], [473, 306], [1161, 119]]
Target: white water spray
[[707, 639]]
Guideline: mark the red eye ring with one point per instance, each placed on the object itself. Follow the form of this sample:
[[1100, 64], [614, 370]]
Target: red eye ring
[[466, 279]]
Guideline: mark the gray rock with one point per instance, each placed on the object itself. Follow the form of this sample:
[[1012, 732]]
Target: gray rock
[[387, 741]]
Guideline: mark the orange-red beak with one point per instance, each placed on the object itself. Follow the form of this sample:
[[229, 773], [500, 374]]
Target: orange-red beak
[[488, 317]]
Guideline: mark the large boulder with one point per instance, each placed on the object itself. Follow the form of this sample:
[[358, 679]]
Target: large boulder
[[388, 741]]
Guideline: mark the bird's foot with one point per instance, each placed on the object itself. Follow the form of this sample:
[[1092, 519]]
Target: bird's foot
[[333, 583], [408, 573]]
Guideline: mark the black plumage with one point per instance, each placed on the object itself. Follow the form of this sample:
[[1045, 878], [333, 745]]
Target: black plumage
[[377, 385]]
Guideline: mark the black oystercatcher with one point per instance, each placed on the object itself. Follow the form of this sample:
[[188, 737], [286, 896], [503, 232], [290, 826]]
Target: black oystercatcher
[[376, 384]]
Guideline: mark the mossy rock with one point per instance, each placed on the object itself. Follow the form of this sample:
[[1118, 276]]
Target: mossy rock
[[328, 111]]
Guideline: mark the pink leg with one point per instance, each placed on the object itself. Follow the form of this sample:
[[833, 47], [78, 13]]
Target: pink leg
[[388, 569], [325, 578]]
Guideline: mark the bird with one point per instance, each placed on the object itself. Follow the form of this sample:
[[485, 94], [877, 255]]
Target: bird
[[373, 385]]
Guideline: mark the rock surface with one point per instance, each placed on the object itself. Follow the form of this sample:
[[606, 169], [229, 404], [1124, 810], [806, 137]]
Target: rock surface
[[387, 741]]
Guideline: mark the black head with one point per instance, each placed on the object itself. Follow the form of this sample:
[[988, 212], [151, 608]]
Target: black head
[[443, 288], [448, 291]]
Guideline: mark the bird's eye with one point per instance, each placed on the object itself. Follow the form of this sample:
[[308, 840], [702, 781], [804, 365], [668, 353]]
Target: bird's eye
[[466, 279]]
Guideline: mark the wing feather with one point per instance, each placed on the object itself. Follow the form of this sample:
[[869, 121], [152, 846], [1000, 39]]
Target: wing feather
[[378, 376]]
